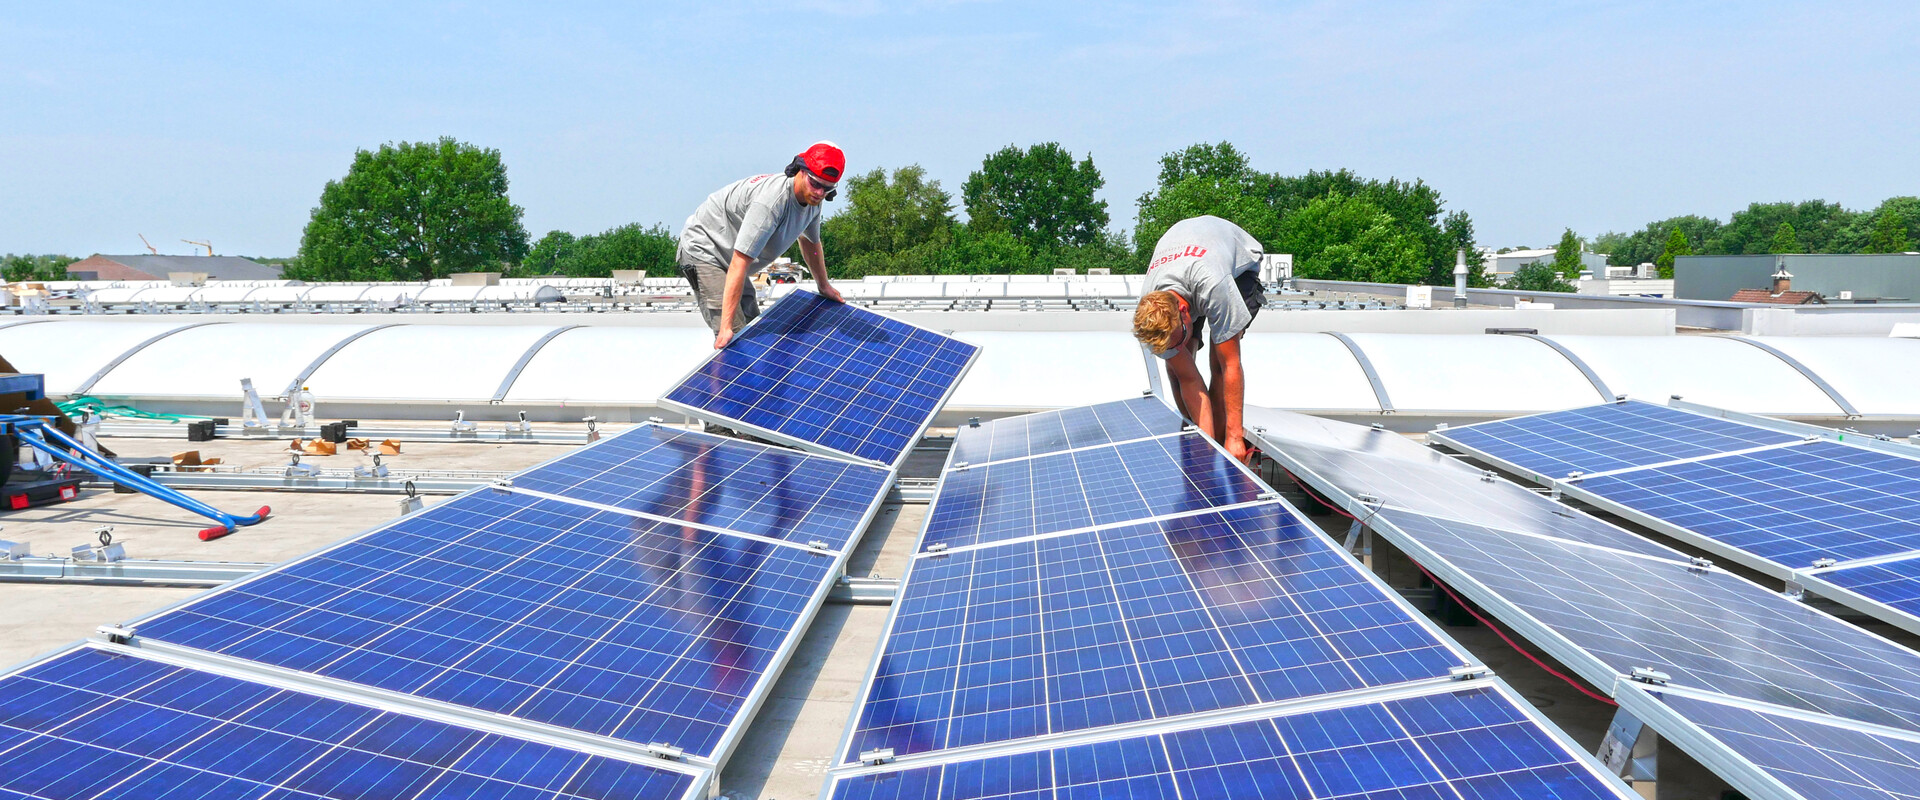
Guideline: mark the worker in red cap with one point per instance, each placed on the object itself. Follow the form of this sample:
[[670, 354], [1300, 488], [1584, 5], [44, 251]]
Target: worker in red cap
[[742, 228]]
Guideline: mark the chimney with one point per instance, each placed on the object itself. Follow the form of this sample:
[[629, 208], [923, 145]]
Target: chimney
[[1782, 279]]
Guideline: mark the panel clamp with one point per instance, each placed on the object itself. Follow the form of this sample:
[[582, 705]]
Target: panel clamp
[[1699, 564], [665, 751], [876, 756], [1468, 673], [937, 547], [1823, 563], [502, 485], [117, 634], [1649, 676], [820, 545]]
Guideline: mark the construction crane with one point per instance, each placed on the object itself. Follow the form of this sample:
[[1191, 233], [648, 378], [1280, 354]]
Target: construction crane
[[150, 247], [201, 244]]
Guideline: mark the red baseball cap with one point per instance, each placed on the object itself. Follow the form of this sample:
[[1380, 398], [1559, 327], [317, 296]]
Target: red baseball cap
[[824, 160]]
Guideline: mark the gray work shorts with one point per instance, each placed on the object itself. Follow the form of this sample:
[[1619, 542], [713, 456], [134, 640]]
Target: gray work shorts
[[710, 292]]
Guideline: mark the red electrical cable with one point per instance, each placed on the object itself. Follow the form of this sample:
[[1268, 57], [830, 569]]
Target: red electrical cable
[[1577, 685]]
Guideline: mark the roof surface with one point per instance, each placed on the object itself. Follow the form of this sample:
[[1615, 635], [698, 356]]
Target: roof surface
[[1783, 298]]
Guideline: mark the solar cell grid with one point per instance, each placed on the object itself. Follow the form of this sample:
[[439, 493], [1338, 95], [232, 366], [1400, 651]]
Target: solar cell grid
[[1894, 584], [719, 482], [1053, 431], [548, 611], [1708, 630], [1791, 505], [1148, 621], [1472, 743], [1609, 437], [1819, 761], [1083, 488], [828, 375], [90, 724]]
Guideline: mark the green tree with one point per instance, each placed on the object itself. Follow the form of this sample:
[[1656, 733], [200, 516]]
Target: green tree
[[17, 268], [1646, 244], [1534, 276], [1350, 239], [1889, 234], [1818, 227], [629, 246], [1893, 227], [414, 211], [550, 254], [1414, 208], [983, 252], [1458, 229], [1566, 256], [1041, 195], [1677, 246], [1198, 195], [889, 226], [1784, 240]]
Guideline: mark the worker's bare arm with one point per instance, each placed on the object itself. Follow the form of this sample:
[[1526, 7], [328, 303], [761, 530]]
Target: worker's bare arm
[[817, 264], [1190, 390], [730, 301], [1229, 396]]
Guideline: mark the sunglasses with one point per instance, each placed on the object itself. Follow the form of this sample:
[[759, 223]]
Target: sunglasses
[[817, 185]]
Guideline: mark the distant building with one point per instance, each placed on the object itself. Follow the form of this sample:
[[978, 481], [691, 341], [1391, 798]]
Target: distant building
[[1839, 278], [1782, 293], [155, 268], [1501, 266]]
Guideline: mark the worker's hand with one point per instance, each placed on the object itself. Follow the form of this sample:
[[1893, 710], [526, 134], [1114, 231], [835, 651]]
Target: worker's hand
[[1237, 447], [827, 291], [726, 335]]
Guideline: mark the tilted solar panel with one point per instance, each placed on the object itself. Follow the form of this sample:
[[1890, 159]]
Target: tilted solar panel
[[96, 724], [1790, 505], [828, 377], [1609, 437], [1149, 621], [718, 482], [1454, 742], [1083, 488], [1893, 583], [1052, 431], [1705, 628], [538, 609], [1812, 757]]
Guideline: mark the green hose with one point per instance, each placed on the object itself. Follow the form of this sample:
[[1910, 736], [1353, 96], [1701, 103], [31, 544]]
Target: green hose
[[89, 403]]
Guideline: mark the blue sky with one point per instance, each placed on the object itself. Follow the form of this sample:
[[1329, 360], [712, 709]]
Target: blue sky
[[222, 122]]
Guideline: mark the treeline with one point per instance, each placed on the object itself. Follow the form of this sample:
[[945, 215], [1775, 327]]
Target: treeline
[[16, 268], [1814, 226], [415, 211]]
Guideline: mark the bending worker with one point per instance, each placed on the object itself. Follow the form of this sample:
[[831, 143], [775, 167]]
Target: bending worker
[[742, 228], [1205, 272]]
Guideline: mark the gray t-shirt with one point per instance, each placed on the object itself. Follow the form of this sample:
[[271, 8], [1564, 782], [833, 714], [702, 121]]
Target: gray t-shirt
[[1198, 259], [757, 216]]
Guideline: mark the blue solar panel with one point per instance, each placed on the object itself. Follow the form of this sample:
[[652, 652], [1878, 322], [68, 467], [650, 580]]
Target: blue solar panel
[[1894, 584], [1053, 431], [538, 609], [1709, 630], [720, 482], [1471, 743], [1816, 760], [830, 375], [1097, 486], [1610, 437], [1146, 621], [1791, 505], [92, 724], [1405, 475]]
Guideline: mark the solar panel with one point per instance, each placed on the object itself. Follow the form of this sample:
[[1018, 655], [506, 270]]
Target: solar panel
[[718, 482], [1789, 505], [1473, 742], [828, 377], [1706, 628], [1052, 431], [1894, 583], [95, 724], [1811, 756], [1149, 621], [538, 609], [1083, 488], [1402, 474], [1609, 437]]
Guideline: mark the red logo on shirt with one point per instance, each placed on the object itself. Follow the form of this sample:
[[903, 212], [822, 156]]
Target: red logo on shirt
[[1192, 251]]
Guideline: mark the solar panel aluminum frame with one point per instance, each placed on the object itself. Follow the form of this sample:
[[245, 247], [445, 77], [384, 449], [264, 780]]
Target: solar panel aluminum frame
[[1813, 580], [1300, 705], [723, 748], [893, 613], [355, 694], [800, 444], [1589, 667], [1637, 700]]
